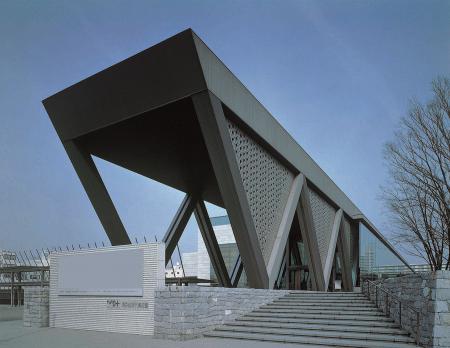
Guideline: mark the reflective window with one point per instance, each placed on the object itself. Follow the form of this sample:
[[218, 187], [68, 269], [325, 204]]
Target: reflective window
[[230, 255], [375, 259]]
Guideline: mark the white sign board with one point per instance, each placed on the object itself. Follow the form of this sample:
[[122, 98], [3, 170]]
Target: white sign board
[[102, 273]]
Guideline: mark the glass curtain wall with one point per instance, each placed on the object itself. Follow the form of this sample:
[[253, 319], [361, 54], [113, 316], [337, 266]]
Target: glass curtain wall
[[295, 273], [375, 259], [230, 254]]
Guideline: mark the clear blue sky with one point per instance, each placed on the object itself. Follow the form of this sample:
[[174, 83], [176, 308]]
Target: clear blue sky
[[337, 75]]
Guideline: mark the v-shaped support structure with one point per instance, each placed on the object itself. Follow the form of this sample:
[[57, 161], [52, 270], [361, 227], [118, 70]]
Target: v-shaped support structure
[[176, 114], [223, 158], [189, 205]]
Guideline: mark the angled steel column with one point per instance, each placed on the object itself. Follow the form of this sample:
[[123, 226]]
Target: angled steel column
[[332, 247], [282, 267], [345, 259], [97, 193], [207, 231], [178, 224], [355, 248], [276, 256], [309, 238], [237, 272], [221, 153], [287, 257]]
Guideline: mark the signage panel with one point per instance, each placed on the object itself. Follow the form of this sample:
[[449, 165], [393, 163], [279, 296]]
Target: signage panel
[[102, 273]]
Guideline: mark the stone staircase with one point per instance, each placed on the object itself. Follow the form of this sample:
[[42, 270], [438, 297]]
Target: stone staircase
[[318, 319]]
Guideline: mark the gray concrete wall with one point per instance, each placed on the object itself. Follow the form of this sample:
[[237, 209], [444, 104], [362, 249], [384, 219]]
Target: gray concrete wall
[[429, 293], [186, 312], [36, 305]]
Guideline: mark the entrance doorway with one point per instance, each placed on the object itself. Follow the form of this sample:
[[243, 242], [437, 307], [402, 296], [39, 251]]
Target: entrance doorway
[[295, 273]]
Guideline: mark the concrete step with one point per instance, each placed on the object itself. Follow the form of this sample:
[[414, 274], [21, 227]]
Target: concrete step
[[276, 316], [330, 326], [309, 300], [348, 323], [327, 300], [354, 306], [331, 293], [327, 294], [325, 341], [320, 333], [330, 311], [324, 298], [321, 307], [306, 297]]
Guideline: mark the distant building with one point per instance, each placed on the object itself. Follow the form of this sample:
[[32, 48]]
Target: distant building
[[7, 258], [368, 259], [198, 264], [190, 264], [11, 259], [395, 270], [175, 271]]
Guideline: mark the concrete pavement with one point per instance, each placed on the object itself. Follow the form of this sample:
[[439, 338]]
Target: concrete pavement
[[14, 335]]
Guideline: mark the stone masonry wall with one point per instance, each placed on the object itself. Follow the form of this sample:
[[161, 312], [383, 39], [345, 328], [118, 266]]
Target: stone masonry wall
[[428, 293], [186, 312], [35, 312]]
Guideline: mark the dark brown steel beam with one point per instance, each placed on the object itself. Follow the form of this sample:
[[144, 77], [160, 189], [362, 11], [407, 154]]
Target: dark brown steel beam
[[178, 225], [237, 272], [209, 237], [95, 188]]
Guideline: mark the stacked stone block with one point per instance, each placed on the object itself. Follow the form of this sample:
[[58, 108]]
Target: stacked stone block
[[429, 293], [36, 306], [189, 311]]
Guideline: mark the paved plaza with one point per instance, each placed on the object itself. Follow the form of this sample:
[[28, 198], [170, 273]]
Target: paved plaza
[[14, 335]]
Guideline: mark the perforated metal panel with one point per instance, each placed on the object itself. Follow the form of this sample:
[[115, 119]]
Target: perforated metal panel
[[323, 218], [267, 184]]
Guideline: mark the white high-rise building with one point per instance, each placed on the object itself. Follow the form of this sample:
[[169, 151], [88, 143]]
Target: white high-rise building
[[197, 264], [224, 235]]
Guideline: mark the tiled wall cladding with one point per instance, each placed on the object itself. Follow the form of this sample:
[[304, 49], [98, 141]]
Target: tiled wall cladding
[[267, 184]]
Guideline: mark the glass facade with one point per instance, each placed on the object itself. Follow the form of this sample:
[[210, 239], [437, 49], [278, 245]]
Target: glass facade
[[375, 259], [369, 258], [295, 274], [230, 254]]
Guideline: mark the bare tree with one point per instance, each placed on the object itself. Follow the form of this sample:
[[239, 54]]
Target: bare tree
[[417, 194]]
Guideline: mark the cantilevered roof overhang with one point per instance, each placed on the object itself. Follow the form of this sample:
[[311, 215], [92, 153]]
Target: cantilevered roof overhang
[[140, 109]]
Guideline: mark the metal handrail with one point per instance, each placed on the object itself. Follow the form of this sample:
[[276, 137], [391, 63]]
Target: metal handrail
[[387, 305]]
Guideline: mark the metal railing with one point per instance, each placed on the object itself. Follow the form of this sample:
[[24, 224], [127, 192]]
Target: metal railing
[[383, 294]]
